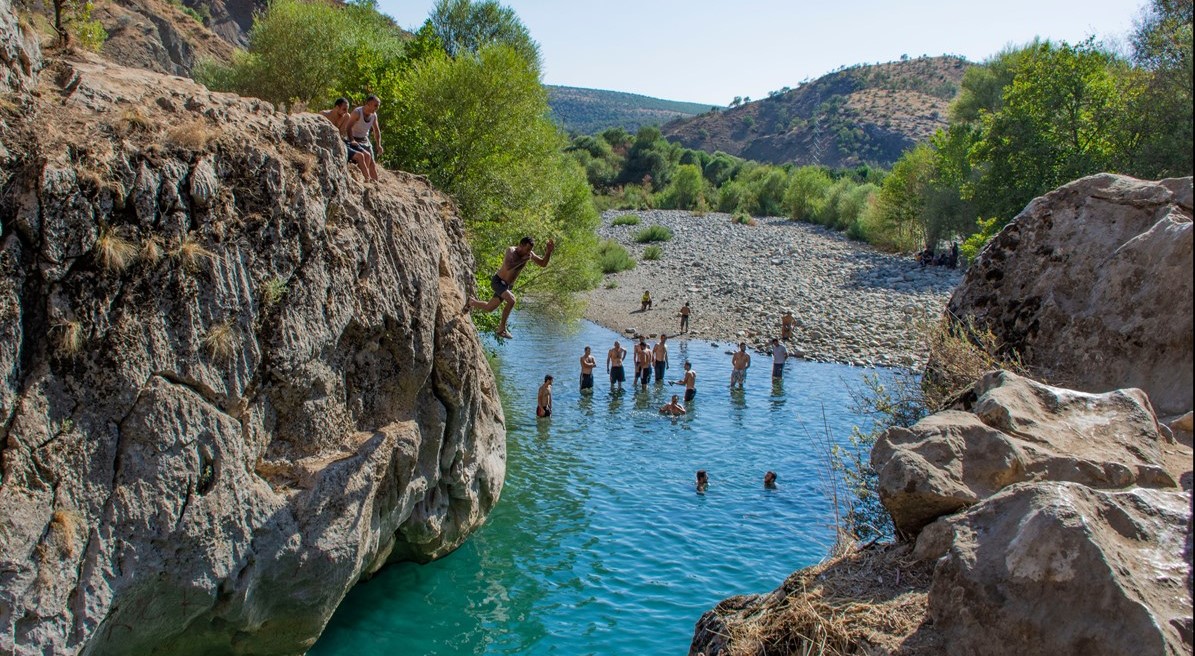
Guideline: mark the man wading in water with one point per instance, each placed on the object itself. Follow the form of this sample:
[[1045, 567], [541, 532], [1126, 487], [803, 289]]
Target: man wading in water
[[513, 262], [614, 365]]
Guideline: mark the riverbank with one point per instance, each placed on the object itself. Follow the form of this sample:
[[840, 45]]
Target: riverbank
[[853, 304]]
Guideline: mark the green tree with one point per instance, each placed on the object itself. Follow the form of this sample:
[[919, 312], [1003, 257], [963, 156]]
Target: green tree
[[478, 128], [687, 189], [1062, 118], [900, 223], [1161, 47], [805, 195], [467, 26]]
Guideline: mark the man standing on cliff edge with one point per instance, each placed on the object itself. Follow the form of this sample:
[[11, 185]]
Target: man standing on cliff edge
[[513, 261]]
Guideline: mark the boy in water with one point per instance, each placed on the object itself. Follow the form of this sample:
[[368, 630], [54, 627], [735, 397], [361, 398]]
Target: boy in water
[[588, 363], [614, 365], [543, 402], [741, 361], [673, 408], [689, 380], [659, 355], [513, 261]]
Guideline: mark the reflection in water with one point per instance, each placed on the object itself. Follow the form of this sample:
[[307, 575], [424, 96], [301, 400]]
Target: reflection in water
[[599, 544]]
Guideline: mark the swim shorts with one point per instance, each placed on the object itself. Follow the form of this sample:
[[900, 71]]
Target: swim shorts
[[618, 374], [498, 285]]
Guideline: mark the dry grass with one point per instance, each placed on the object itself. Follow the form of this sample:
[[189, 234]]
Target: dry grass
[[849, 605], [960, 353], [69, 337], [220, 341], [196, 135], [151, 250], [133, 120], [10, 103], [191, 254], [64, 531], [112, 251]]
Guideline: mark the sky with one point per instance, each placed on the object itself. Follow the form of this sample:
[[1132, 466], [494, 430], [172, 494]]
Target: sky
[[710, 51]]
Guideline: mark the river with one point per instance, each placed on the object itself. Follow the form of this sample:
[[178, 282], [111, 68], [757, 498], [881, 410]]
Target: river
[[600, 544]]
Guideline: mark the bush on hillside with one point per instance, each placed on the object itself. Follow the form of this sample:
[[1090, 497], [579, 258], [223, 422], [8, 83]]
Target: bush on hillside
[[652, 253]]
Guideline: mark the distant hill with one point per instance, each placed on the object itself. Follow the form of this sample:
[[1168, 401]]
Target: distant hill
[[863, 114], [588, 111]]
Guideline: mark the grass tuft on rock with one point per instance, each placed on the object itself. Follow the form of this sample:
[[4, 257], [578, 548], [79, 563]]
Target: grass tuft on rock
[[220, 341], [653, 253], [625, 219], [653, 233], [112, 251]]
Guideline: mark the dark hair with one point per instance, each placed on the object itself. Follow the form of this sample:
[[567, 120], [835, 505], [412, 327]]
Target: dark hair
[[371, 97], [701, 473], [688, 364], [547, 378], [526, 241], [341, 101]]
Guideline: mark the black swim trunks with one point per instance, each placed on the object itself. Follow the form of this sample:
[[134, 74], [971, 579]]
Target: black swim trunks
[[586, 381], [617, 374], [660, 371], [498, 285], [689, 394]]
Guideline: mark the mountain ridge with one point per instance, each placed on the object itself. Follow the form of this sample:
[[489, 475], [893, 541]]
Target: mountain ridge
[[863, 114], [583, 110]]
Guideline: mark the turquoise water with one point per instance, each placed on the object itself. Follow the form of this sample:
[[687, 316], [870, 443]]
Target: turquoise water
[[600, 545]]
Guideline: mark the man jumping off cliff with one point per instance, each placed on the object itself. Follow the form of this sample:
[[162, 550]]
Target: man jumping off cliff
[[513, 261]]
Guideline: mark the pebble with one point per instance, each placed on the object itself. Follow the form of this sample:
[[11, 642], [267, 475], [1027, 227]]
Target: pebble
[[853, 304]]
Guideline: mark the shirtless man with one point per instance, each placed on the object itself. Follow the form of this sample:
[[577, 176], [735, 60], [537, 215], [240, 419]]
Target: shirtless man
[[786, 325], [741, 361], [674, 408], [643, 361], [513, 261], [659, 354], [689, 380], [543, 401], [588, 363], [357, 155], [614, 365], [684, 318], [703, 481]]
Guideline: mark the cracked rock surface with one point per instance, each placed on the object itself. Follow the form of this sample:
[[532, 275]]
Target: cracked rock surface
[[233, 378]]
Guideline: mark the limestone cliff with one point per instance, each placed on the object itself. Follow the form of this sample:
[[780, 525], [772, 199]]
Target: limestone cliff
[[233, 378]]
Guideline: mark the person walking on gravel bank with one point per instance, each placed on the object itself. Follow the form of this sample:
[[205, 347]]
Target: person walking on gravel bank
[[741, 361], [513, 261], [588, 363], [659, 354], [684, 317], [786, 325], [618, 374]]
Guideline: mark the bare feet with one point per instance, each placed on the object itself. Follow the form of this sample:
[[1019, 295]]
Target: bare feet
[[504, 334]]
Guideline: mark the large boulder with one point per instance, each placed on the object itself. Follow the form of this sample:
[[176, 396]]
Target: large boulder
[[234, 378], [1014, 430], [1092, 285], [1061, 568]]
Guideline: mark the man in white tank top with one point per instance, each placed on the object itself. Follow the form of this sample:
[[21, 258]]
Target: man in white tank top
[[361, 122]]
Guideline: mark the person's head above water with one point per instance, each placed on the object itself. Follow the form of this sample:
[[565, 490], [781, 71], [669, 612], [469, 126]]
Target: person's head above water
[[769, 479], [587, 349], [675, 399], [548, 378], [687, 365], [742, 346]]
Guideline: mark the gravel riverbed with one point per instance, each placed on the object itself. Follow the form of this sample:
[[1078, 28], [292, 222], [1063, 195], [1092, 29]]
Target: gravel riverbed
[[853, 304]]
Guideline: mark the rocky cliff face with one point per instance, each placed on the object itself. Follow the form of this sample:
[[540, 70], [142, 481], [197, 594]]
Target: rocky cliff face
[[233, 378], [158, 36], [1092, 286]]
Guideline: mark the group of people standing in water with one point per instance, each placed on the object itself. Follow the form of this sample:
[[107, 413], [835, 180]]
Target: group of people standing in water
[[649, 361]]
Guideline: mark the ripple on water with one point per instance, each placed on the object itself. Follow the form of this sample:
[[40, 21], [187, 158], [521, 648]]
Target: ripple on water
[[600, 545]]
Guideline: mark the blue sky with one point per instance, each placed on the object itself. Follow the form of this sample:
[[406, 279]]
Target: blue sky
[[710, 51]]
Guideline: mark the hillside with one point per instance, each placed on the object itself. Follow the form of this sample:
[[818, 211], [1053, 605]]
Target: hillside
[[587, 111], [863, 114]]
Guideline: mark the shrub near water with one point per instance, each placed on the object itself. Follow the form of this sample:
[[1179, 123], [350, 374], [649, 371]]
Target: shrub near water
[[612, 257], [653, 233]]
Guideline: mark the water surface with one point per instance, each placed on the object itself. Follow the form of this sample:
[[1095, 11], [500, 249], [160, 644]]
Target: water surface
[[600, 545]]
